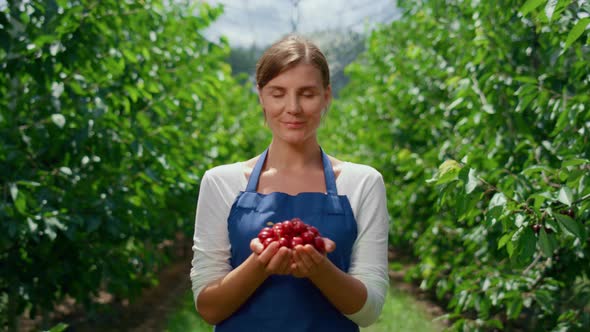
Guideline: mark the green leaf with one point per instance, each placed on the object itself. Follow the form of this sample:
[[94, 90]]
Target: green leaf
[[504, 239], [498, 200], [63, 3], [21, 204], [547, 242], [510, 248], [496, 323], [447, 171], [551, 223], [536, 169], [472, 182], [561, 122], [577, 31], [58, 119], [514, 307], [566, 196], [540, 198], [526, 245], [13, 191], [58, 328], [550, 9], [526, 79], [569, 224], [529, 6], [135, 200], [574, 162], [545, 299]]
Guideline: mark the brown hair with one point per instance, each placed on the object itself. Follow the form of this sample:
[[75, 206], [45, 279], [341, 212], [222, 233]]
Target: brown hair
[[287, 53]]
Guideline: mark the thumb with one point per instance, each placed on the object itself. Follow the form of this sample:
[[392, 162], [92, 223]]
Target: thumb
[[256, 246]]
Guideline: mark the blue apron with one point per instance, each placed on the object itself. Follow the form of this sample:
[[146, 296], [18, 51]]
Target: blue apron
[[285, 303]]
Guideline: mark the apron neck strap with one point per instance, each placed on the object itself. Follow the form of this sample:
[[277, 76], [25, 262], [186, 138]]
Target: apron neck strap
[[328, 173], [253, 181]]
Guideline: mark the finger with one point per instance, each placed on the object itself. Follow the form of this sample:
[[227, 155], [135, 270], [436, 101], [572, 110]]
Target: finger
[[256, 246], [315, 256], [268, 253], [276, 261], [303, 259], [281, 261], [286, 263], [329, 245]]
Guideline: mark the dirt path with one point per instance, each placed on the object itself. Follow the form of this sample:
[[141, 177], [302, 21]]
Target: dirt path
[[150, 311], [423, 299], [147, 313]]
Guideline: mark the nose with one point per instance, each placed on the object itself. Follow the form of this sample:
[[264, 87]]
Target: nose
[[293, 104]]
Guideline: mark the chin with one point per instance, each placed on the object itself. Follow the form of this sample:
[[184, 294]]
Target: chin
[[295, 138]]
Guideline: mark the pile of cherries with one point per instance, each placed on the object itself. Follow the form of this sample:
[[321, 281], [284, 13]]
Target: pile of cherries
[[291, 233]]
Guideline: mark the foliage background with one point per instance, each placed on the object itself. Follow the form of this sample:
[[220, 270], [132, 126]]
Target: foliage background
[[475, 112], [110, 113]]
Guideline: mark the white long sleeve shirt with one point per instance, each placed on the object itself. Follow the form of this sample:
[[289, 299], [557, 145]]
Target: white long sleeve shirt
[[364, 187]]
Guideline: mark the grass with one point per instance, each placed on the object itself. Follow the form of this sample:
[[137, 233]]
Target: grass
[[400, 313], [186, 318]]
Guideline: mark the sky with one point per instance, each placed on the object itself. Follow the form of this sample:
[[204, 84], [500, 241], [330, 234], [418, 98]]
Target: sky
[[261, 22]]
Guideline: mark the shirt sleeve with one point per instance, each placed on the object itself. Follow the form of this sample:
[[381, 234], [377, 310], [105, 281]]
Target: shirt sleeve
[[211, 247], [369, 256]]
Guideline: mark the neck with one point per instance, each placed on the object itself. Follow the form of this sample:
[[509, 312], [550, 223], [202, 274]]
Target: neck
[[285, 156]]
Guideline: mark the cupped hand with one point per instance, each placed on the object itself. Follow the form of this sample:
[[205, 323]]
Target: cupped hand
[[307, 261], [273, 259]]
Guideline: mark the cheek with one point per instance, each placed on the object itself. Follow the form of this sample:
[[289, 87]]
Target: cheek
[[273, 104], [313, 106]]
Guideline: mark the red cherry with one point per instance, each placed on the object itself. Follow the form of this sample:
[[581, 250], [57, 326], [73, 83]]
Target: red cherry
[[293, 232], [307, 237], [265, 235], [288, 227], [313, 230], [266, 229], [568, 212], [267, 242], [284, 242], [278, 229], [299, 228], [296, 240], [319, 244]]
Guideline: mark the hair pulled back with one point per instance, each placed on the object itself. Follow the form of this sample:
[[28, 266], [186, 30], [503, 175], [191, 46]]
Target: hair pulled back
[[286, 53]]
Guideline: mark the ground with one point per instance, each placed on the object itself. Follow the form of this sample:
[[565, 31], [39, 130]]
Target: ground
[[150, 311]]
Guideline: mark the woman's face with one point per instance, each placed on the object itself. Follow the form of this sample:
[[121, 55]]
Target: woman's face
[[293, 103]]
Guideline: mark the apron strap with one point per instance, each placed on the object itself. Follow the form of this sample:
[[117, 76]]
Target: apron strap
[[253, 181], [328, 173]]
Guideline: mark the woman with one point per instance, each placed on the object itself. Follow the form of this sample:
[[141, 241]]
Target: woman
[[241, 286]]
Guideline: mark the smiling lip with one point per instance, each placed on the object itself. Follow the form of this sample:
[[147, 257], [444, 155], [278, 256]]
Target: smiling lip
[[293, 124]]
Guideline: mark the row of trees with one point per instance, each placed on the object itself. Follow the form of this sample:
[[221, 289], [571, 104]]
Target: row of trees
[[475, 112], [478, 115], [110, 111]]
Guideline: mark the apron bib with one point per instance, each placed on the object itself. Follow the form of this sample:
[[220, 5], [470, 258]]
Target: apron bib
[[285, 303]]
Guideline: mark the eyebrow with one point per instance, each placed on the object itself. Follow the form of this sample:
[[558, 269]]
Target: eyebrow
[[306, 87]]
